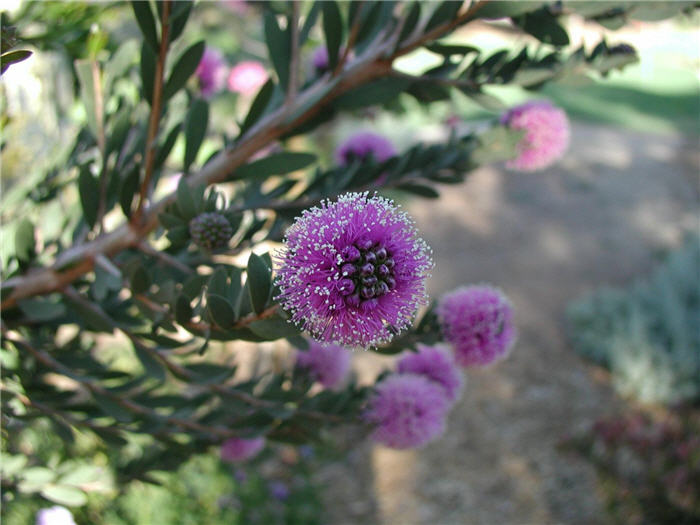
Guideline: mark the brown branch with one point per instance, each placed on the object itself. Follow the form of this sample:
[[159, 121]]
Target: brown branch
[[308, 104], [154, 118]]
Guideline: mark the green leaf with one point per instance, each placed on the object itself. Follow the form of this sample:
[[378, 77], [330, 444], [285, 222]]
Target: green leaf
[[183, 310], [151, 365], [38, 476], [86, 70], [220, 310], [450, 49], [259, 282], [146, 21], [278, 46], [192, 287], [167, 146], [445, 12], [544, 26], [257, 108], [183, 69], [274, 328], [41, 309], [112, 408], [378, 92], [140, 280], [89, 195], [309, 23], [195, 130], [275, 164], [93, 320], [185, 200], [25, 241], [12, 57], [11, 465], [178, 18], [333, 31], [506, 8], [419, 189], [410, 23], [129, 187], [81, 475], [64, 495], [148, 72]]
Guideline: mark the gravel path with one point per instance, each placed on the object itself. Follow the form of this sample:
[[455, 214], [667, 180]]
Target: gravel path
[[602, 216]]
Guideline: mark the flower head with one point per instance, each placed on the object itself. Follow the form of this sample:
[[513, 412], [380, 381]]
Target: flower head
[[362, 145], [320, 58], [437, 364], [408, 411], [247, 77], [354, 271], [329, 364], [240, 449], [478, 322], [211, 72], [210, 230], [546, 134], [56, 515]]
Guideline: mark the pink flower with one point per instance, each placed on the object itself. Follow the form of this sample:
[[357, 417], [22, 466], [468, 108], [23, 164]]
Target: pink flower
[[437, 364], [240, 449], [408, 411], [247, 77], [56, 515], [211, 72], [546, 134], [478, 322], [328, 364]]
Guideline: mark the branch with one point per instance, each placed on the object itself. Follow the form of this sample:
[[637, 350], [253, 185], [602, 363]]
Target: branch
[[309, 103], [154, 118]]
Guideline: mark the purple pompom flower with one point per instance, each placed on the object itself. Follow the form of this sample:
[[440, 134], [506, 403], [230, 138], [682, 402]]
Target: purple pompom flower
[[478, 322], [328, 364], [354, 271], [278, 490], [408, 411], [211, 72], [362, 145], [56, 515], [240, 449], [320, 58], [546, 134], [437, 364]]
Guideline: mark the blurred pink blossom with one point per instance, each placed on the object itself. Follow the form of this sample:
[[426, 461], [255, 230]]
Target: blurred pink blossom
[[247, 77]]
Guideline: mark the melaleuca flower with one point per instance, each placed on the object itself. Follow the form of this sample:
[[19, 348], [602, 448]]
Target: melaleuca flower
[[362, 145], [437, 364], [319, 59], [56, 515], [328, 364], [478, 322], [210, 230], [407, 411], [247, 77], [354, 271], [546, 134], [211, 72], [240, 449]]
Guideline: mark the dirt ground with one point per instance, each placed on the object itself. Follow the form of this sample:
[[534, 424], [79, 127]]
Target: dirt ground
[[602, 216]]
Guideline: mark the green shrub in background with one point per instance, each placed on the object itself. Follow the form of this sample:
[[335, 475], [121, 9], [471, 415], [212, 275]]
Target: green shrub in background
[[647, 335]]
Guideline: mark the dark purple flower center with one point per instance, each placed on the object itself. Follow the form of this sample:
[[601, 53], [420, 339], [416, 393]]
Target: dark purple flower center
[[367, 272]]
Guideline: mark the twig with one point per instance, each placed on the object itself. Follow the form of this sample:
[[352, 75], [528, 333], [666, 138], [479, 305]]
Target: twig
[[154, 118], [164, 257]]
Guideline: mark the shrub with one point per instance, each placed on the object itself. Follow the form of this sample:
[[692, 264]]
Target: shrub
[[647, 335]]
